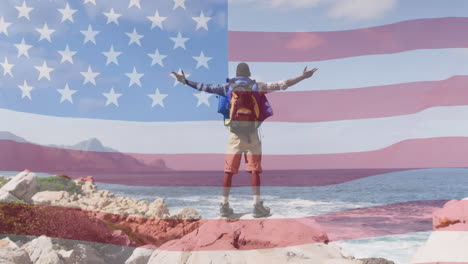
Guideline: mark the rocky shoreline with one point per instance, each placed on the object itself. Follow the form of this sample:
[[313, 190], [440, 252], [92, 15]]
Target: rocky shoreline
[[95, 226]]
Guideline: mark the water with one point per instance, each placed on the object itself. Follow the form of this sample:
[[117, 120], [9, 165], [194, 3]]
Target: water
[[394, 187]]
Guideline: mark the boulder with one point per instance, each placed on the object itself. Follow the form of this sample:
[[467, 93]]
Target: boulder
[[187, 213], [41, 251], [140, 255], [49, 197], [23, 185], [84, 254], [158, 209], [6, 196], [10, 253]]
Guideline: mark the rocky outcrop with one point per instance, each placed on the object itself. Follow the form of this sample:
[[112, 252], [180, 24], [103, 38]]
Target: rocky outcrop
[[447, 243], [23, 186], [140, 256], [6, 196], [10, 253], [41, 251]]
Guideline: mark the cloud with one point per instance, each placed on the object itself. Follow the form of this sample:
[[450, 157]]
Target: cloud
[[350, 9], [361, 9]]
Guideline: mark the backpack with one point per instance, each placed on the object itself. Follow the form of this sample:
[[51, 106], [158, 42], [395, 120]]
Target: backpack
[[244, 108]]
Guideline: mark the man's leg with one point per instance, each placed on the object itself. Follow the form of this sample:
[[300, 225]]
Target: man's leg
[[227, 183], [256, 186]]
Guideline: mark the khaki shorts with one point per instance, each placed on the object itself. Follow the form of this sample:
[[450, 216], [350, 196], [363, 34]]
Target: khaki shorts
[[250, 146]]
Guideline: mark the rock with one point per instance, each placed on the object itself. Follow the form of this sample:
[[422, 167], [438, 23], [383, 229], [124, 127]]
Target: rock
[[49, 197], [376, 261], [84, 254], [41, 251], [6, 196], [10, 253], [187, 213], [158, 209], [140, 256], [23, 185]]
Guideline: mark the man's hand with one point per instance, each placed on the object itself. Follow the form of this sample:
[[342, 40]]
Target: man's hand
[[180, 77], [308, 73]]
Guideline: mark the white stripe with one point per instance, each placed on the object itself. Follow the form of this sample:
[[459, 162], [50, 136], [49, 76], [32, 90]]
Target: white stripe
[[365, 71], [210, 136], [443, 246]]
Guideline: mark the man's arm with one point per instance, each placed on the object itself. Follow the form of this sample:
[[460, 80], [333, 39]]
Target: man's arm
[[220, 89], [283, 85]]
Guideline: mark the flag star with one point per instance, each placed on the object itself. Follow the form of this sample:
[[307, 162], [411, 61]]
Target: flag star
[[7, 67], [112, 56], [67, 13], [134, 3], [112, 17], [112, 97], [179, 3], [4, 26], [45, 32], [202, 21], [25, 90], [157, 20], [90, 76], [66, 94], [158, 98], [175, 79], [90, 1], [90, 35], [203, 98], [67, 55], [23, 48], [157, 58], [202, 60], [23, 11], [44, 71], [134, 37], [134, 77], [179, 41]]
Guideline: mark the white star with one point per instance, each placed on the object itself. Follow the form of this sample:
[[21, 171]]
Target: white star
[[23, 48], [158, 98], [112, 56], [179, 3], [23, 11], [202, 60], [7, 67], [134, 3], [25, 90], [66, 94], [134, 77], [112, 97], [112, 17], [134, 37], [203, 98], [4, 26], [176, 82], [157, 20], [67, 55], [44, 71], [179, 41], [157, 58], [90, 1], [202, 21], [90, 35], [67, 13], [45, 32], [89, 76]]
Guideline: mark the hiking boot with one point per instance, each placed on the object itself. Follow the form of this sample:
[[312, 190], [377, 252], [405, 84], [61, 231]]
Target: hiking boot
[[260, 211], [225, 210]]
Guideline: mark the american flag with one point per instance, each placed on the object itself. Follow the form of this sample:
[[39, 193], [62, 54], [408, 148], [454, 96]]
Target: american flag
[[86, 89]]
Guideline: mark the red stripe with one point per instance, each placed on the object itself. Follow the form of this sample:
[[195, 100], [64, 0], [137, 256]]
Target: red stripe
[[326, 169], [434, 33], [369, 102], [216, 234]]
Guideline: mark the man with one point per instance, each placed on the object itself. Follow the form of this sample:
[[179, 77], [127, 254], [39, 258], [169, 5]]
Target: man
[[247, 143]]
